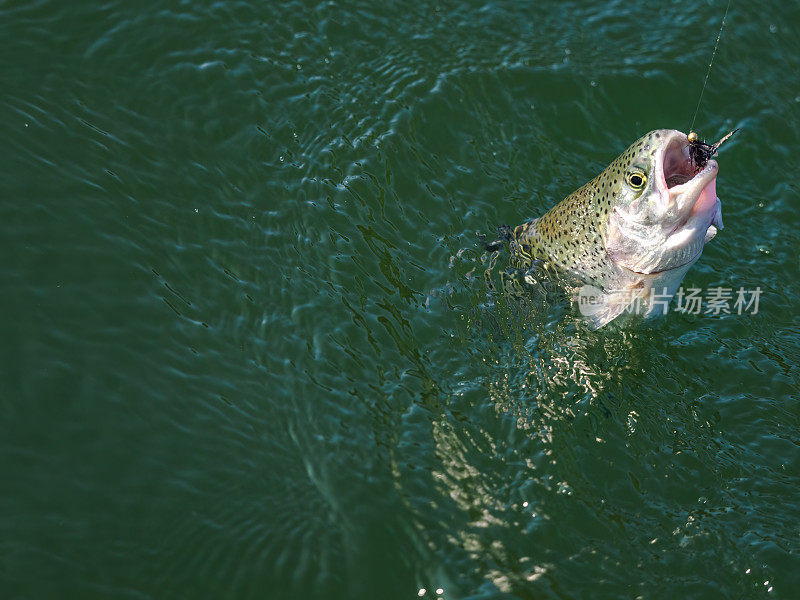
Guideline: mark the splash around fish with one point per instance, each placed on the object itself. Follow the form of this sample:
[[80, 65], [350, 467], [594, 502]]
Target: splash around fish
[[635, 229]]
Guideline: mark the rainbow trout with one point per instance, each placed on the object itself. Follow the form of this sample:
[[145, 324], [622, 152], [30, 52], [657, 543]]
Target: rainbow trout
[[630, 234]]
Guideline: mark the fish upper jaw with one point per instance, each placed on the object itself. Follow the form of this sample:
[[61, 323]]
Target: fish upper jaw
[[678, 181]]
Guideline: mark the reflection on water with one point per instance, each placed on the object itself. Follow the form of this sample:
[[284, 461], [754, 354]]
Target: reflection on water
[[560, 428]]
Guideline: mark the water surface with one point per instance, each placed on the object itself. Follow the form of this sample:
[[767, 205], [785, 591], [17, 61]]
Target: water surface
[[248, 346]]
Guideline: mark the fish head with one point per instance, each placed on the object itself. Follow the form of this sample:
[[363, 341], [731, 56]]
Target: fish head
[[660, 208]]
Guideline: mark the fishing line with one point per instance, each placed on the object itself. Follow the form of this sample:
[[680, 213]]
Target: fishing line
[[713, 55]]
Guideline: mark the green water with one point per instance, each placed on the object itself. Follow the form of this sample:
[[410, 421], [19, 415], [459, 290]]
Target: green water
[[248, 349]]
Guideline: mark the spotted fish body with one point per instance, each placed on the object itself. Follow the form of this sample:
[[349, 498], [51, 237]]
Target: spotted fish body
[[633, 231]]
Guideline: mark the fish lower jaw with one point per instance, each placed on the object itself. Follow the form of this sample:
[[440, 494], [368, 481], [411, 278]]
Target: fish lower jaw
[[698, 181]]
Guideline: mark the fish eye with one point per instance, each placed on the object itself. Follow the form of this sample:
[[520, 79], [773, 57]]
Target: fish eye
[[637, 180]]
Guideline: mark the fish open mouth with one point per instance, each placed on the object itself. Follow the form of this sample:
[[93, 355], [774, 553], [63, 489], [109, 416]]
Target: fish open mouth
[[677, 167], [691, 189], [693, 193]]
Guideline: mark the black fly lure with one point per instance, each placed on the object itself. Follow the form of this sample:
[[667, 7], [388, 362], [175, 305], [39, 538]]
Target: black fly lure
[[700, 152]]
